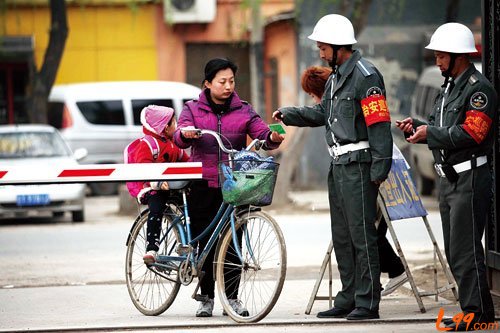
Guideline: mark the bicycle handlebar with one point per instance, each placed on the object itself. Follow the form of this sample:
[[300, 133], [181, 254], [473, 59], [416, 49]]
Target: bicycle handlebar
[[258, 144], [219, 141]]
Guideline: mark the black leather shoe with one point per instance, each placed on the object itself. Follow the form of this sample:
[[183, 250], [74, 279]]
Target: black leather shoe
[[462, 327], [362, 314], [447, 321], [465, 327], [333, 313]]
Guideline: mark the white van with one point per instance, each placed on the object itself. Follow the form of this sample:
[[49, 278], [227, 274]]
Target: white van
[[426, 91], [104, 117]]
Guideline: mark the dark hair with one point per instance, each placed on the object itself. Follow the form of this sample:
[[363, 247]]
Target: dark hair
[[171, 119], [314, 80], [338, 47], [217, 64]]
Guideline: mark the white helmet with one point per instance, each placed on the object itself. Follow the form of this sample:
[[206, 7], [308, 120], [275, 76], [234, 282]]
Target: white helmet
[[334, 29], [453, 38]]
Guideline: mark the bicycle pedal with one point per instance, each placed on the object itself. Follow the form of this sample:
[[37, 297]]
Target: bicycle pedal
[[183, 249], [201, 298]]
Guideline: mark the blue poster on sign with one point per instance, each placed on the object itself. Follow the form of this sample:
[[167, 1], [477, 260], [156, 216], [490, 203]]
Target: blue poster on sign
[[399, 191]]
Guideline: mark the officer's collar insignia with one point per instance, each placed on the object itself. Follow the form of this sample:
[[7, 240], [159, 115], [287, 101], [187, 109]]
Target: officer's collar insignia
[[479, 100], [373, 91]]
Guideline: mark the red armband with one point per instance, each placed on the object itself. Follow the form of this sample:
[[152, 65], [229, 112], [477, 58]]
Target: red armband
[[477, 124], [375, 109]]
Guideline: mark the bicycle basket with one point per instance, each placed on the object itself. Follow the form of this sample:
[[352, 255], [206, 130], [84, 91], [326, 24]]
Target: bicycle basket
[[248, 182]]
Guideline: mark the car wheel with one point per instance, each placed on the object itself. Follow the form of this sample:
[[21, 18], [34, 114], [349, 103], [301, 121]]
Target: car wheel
[[424, 185], [78, 216], [104, 188], [57, 214]]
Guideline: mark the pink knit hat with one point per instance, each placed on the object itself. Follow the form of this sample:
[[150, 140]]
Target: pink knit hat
[[155, 118]]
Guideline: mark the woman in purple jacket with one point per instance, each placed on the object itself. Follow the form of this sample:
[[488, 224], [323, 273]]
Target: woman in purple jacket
[[219, 109]]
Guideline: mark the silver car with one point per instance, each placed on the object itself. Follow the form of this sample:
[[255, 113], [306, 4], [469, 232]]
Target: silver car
[[38, 145]]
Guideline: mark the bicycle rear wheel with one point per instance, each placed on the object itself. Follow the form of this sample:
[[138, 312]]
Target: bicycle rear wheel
[[257, 282], [152, 289]]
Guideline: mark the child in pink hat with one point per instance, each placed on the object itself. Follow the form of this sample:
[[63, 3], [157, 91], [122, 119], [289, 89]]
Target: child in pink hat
[[159, 123]]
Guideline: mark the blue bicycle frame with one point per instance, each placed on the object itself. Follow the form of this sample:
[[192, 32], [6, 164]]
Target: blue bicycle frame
[[216, 226]]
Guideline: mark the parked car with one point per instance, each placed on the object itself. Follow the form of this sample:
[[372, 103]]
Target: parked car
[[38, 145], [104, 117], [426, 91]]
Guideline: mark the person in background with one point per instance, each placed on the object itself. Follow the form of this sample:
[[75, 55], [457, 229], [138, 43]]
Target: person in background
[[313, 82], [159, 123], [460, 135], [357, 123], [220, 109]]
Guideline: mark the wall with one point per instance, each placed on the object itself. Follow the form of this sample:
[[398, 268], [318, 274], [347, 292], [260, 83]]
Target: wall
[[280, 43], [104, 43], [231, 25], [111, 41]]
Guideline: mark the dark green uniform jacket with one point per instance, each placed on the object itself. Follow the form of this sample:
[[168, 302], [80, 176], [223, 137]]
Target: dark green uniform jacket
[[340, 111], [468, 113]]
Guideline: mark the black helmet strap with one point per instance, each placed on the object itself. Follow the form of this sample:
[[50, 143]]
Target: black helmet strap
[[447, 72], [333, 62]]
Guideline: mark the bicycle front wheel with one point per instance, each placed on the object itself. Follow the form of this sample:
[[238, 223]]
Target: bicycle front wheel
[[248, 290], [152, 288]]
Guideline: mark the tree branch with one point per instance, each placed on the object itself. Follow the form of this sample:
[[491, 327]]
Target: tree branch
[[57, 41]]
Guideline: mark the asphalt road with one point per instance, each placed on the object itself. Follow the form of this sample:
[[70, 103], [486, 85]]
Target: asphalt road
[[66, 253]]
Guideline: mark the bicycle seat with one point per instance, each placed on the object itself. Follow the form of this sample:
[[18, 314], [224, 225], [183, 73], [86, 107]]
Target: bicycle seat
[[177, 184]]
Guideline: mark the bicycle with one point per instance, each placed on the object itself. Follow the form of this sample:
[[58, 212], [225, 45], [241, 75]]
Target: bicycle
[[250, 254]]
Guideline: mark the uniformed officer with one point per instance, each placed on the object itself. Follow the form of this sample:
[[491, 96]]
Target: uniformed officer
[[354, 112], [460, 135]]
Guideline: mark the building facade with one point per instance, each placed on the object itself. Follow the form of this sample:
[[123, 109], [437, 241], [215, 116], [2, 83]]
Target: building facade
[[115, 40]]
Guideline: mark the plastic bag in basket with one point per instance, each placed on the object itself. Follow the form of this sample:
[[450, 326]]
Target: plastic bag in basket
[[248, 160], [251, 187]]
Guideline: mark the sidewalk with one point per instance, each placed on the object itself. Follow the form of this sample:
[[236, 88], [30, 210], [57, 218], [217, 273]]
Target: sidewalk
[[107, 306]]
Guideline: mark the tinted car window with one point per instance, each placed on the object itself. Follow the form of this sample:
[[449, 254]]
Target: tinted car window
[[139, 104], [103, 112], [31, 144]]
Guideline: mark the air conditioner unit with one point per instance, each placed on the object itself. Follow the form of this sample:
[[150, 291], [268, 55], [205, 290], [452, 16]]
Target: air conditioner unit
[[189, 11]]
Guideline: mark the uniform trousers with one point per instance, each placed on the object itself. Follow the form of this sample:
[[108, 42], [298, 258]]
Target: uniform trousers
[[465, 208], [390, 262], [353, 210]]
